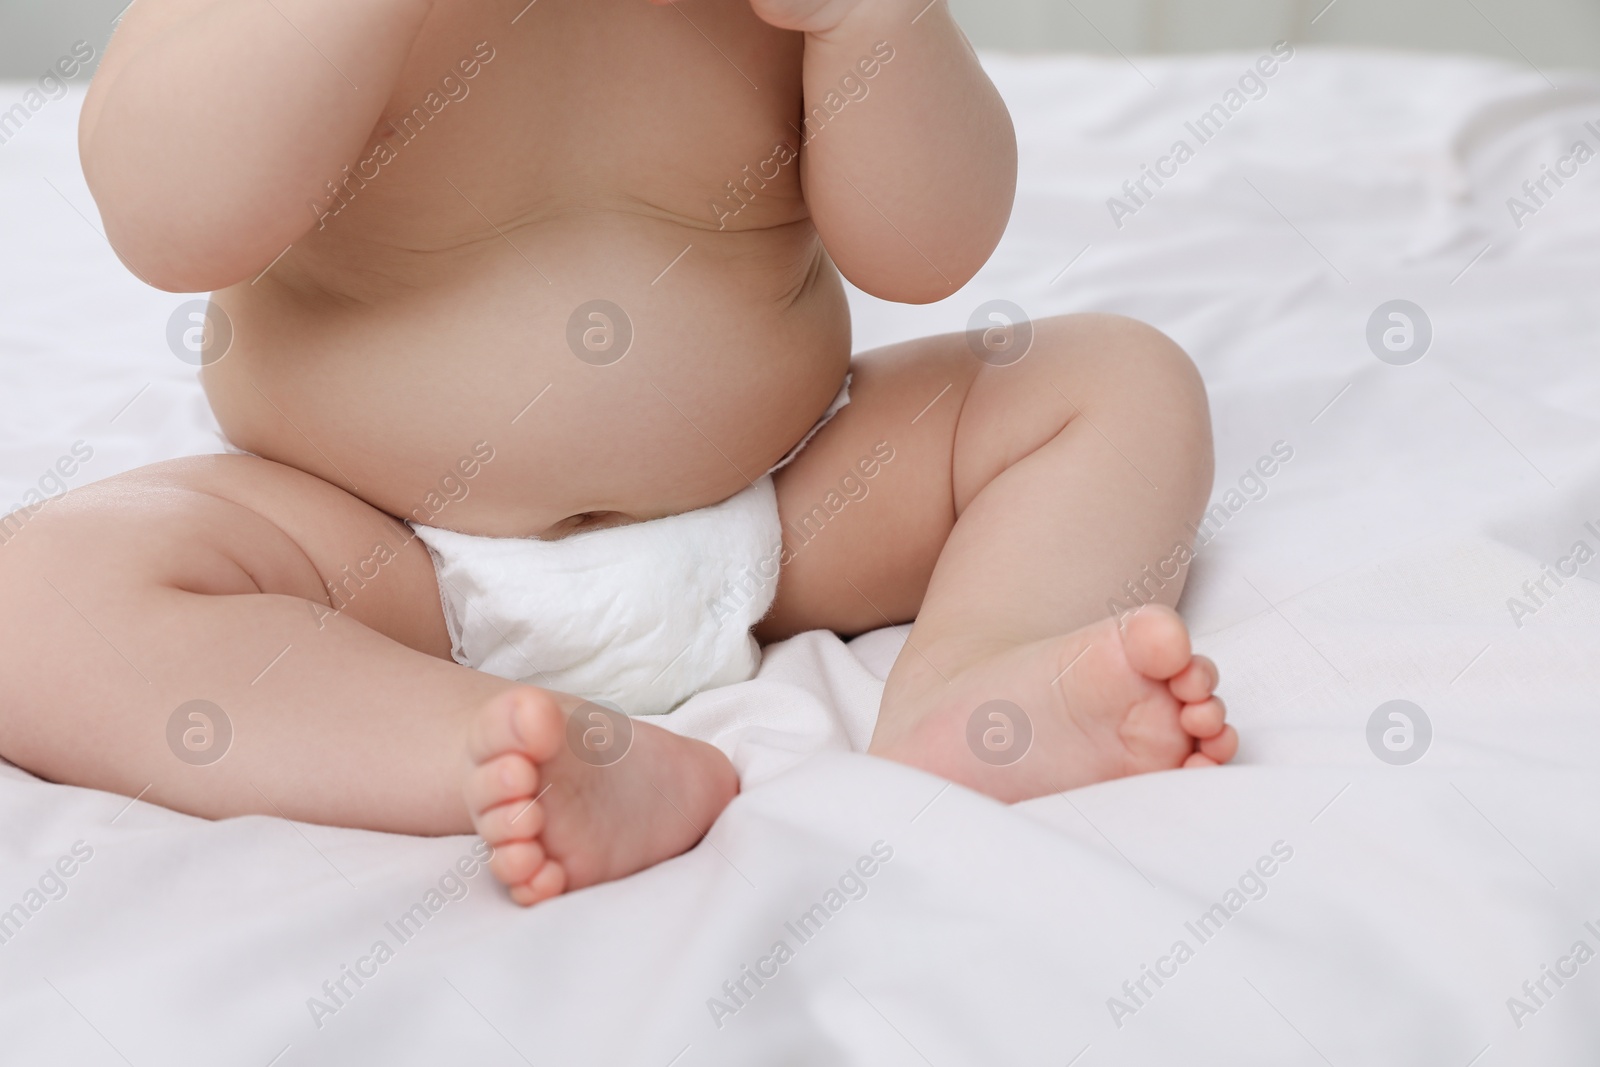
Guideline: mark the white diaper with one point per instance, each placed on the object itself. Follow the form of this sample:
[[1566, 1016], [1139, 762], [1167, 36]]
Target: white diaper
[[642, 616]]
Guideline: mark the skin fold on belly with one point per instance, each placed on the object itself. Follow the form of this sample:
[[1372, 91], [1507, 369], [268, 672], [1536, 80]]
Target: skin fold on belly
[[543, 380]]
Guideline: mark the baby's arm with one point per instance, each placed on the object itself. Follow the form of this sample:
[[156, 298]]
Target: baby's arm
[[212, 124], [910, 186]]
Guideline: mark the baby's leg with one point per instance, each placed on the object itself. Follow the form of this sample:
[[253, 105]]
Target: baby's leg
[[208, 579], [1018, 503]]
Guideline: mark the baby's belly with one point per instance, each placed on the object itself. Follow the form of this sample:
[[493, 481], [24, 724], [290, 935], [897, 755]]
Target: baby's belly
[[630, 369]]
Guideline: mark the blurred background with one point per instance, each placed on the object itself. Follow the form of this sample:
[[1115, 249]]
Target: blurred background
[[1544, 33]]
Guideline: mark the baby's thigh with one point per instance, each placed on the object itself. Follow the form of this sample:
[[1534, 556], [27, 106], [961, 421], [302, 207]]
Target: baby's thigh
[[222, 526], [868, 504]]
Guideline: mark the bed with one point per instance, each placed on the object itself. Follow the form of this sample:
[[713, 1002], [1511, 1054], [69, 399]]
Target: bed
[[1357, 889]]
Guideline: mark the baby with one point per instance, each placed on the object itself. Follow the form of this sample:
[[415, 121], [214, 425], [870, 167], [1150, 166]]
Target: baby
[[529, 337]]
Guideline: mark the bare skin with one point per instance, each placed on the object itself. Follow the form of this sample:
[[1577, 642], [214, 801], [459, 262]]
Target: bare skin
[[430, 314]]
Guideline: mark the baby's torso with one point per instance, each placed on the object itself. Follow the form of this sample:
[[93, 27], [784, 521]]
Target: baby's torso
[[598, 179]]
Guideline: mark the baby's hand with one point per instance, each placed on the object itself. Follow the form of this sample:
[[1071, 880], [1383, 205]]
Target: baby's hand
[[807, 16]]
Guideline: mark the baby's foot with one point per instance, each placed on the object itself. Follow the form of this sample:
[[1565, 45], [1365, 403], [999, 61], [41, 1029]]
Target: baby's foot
[[1103, 702], [561, 816]]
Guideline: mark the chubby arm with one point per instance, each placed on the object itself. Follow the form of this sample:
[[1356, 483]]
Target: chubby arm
[[211, 124], [910, 182]]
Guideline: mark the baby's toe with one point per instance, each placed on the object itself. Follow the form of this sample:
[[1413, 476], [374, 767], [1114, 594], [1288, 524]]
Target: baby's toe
[[1197, 760], [516, 863], [523, 720], [1195, 682], [1223, 747], [550, 881], [1156, 642], [1205, 719], [498, 782], [520, 820]]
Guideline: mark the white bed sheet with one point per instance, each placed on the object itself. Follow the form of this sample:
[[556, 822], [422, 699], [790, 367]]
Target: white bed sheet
[[1417, 900]]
